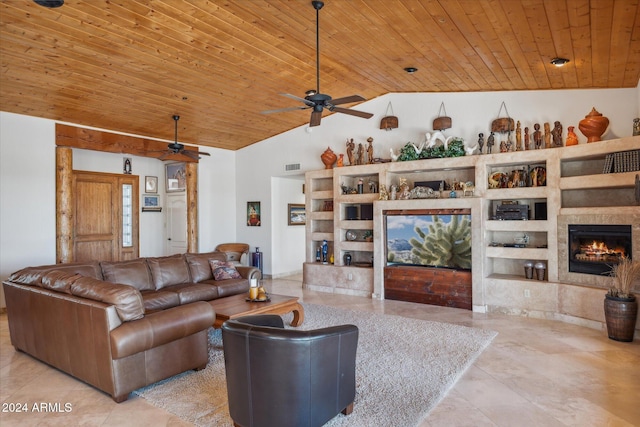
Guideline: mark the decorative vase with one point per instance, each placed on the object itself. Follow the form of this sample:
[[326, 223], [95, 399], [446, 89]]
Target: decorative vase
[[572, 138], [328, 158], [620, 315], [593, 125]]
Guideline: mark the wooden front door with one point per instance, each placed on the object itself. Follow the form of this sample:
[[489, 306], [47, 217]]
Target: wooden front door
[[105, 216]]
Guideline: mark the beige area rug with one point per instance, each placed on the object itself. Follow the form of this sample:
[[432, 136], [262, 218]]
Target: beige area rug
[[404, 368]]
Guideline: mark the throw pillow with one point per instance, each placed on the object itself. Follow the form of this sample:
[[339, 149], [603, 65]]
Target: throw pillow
[[223, 270]]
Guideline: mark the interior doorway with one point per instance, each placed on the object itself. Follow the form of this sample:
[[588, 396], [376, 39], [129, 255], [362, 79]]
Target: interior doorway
[[105, 216], [176, 225]]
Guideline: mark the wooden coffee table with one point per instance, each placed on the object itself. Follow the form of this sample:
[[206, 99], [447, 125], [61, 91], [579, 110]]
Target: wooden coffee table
[[237, 306]]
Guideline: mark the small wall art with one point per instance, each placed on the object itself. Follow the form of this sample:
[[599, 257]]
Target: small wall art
[[151, 203], [176, 177], [253, 214], [151, 184], [296, 214]]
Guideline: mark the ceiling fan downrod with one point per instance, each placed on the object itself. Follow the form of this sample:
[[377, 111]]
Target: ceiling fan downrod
[[317, 5]]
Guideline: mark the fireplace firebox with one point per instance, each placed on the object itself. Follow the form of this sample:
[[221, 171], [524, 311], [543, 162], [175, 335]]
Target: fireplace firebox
[[594, 249]]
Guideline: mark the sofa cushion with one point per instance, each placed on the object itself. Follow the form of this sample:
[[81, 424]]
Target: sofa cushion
[[223, 270], [159, 300], [61, 281], [199, 266], [190, 292], [134, 273], [33, 275], [230, 287], [169, 270], [126, 299]]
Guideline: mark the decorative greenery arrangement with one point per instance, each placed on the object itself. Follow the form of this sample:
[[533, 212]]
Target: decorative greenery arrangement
[[455, 148], [624, 273], [447, 245]]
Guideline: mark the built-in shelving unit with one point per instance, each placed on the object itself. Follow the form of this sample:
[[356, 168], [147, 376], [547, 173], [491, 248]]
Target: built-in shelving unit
[[574, 184]]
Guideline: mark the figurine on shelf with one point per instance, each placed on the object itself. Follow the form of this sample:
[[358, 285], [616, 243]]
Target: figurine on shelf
[[537, 136], [526, 138], [340, 161], [360, 155], [572, 138], [518, 137], [480, 141], [490, 141], [384, 195], [404, 190], [503, 146], [547, 135], [370, 151], [350, 147], [557, 134], [394, 192], [636, 126]]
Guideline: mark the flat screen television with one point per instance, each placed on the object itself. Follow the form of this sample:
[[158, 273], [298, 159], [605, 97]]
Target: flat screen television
[[429, 240]]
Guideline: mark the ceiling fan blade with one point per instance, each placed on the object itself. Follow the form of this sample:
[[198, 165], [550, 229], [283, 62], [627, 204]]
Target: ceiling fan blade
[[351, 112], [164, 156], [203, 153], [282, 110], [297, 98], [316, 116], [347, 99]]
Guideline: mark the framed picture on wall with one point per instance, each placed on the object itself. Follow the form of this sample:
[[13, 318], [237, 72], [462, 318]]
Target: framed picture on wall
[[253, 214], [296, 214], [151, 203], [176, 177], [151, 184]]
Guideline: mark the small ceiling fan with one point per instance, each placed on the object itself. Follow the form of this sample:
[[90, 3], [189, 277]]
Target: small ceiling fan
[[177, 148], [317, 100]]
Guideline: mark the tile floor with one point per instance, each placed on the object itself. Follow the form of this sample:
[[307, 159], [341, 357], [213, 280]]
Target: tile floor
[[535, 373]]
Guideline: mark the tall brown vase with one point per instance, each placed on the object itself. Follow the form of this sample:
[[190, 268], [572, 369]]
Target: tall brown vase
[[328, 158], [593, 125], [620, 315]]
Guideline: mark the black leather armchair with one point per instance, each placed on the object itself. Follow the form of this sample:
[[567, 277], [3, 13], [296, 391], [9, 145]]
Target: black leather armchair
[[285, 377]]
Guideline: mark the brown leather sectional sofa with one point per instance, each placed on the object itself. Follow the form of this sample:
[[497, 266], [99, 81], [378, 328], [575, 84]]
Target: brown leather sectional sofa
[[122, 325]]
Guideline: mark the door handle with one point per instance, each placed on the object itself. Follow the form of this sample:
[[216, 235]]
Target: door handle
[[169, 238]]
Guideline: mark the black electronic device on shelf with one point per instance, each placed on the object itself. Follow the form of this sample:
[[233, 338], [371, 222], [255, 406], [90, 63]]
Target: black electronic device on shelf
[[509, 212]]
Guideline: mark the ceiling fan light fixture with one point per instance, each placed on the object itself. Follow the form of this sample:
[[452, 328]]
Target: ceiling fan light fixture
[[411, 70], [311, 92], [559, 62]]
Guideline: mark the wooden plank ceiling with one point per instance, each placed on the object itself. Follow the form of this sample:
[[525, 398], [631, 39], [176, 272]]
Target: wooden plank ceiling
[[128, 65]]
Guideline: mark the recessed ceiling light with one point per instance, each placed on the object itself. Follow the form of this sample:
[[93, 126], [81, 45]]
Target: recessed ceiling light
[[411, 70], [559, 62], [50, 3]]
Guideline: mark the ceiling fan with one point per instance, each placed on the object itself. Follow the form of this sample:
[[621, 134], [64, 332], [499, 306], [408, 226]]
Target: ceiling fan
[[317, 100], [177, 148]]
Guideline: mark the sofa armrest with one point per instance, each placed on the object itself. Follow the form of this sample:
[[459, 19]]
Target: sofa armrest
[[249, 272], [160, 328]]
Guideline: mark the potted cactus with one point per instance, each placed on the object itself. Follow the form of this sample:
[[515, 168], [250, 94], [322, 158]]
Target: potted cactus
[[620, 305]]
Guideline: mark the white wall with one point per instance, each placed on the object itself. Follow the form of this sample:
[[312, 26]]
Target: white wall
[[28, 193], [288, 243]]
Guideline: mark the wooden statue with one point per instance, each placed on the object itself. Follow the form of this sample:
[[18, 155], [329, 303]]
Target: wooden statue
[[557, 134], [350, 147], [518, 137], [537, 136], [480, 142], [490, 141], [526, 138], [547, 135], [360, 157], [370, 151]]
